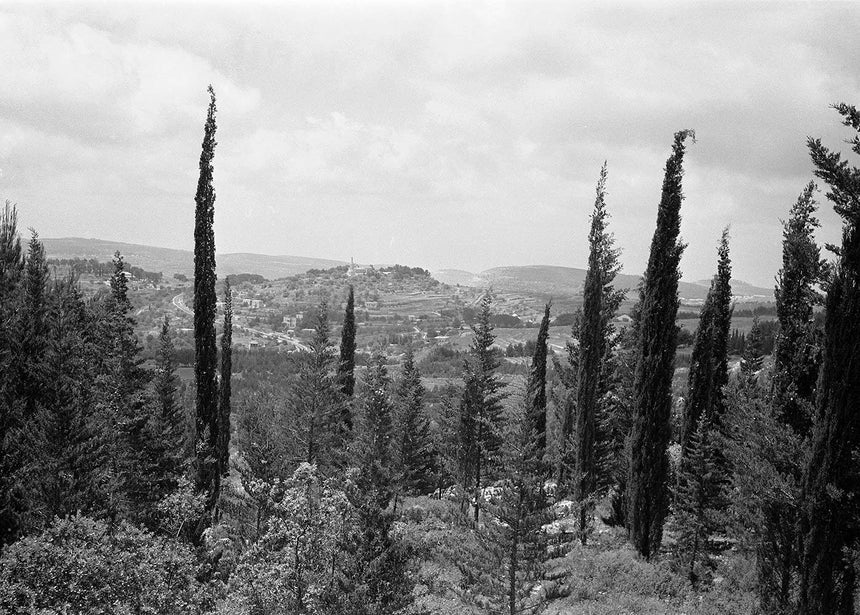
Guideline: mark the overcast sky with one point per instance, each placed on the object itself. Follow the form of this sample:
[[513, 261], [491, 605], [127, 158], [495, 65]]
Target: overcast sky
[[439, 134]]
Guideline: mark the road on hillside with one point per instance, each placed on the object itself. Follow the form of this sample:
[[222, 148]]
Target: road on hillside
[[179, 304]]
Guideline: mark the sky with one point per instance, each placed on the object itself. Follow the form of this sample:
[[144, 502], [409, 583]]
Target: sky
[[462, 135]]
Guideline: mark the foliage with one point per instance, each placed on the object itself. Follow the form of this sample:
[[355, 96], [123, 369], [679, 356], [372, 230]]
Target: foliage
[[206, 352], [658, 304], [829, 522], [83, 566], [601, 301]]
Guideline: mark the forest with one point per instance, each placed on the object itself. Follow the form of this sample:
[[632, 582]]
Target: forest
[[594, 481]]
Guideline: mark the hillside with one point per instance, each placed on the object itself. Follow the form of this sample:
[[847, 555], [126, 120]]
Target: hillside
[[170, 261], [568, 281]]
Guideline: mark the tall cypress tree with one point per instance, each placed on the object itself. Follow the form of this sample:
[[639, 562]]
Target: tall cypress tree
[[829, 524], [224, 384], [709, 365], [598, 295], [11, 261], [205, 346], [797, 358], [346, 366], [647, 495], [536, 388]]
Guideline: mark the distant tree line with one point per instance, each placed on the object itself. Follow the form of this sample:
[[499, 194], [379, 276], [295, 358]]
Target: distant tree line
[[91, 266]]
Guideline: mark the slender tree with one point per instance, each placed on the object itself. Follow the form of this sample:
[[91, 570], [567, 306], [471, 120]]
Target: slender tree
[[797, 355], [346, 366], [205, 346], [753, 356], [481, 406], [598, 296], [170, 422], [831, 484], [536, 387], [709, 366], [797, 358], [224, 383], [11, 257], [658, 307]]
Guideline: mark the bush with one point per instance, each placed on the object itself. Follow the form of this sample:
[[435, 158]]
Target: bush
[[78, 565]]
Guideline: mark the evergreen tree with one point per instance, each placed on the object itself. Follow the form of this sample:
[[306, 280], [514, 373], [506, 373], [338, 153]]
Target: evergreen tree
[[600, 303], [11, 260], [374, 578], [208, 479], [480, 407], [658, 307], [797, 354], [709, 369], [315, 403], [753, 355], [169, 423], [417, 457], [699, 500], [346, 366], [831, 483], [536, 387], [508, 563], [224, 384], [566, 404], [797, 357]]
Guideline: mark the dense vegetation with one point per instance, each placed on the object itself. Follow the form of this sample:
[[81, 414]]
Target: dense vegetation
[[597, 480]]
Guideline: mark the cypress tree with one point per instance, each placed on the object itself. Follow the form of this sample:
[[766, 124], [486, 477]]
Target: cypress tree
[[205, 347], [224, 384], [536, 388], [597, 310], [796, 353], [346, 366], [829, 515], [658, 306], [709, 369]]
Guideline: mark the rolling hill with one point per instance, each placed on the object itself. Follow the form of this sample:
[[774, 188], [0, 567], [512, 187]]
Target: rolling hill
[[568, 281], [170, 261]]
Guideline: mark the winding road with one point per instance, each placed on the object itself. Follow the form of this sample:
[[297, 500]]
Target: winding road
[[179, 304]]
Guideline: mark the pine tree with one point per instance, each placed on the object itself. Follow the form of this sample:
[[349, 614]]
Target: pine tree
[[508, 562], [536, 387], [480, 407], [709, 369], [598, 308], [829, 523], [658, 307], [169, 425], [224, 384], [374, 578], [699, 500], [315, 403], [417, 457], [205, 348]]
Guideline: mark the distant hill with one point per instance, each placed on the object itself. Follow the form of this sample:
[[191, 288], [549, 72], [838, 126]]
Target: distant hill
[[169, 261], [569, 281]]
